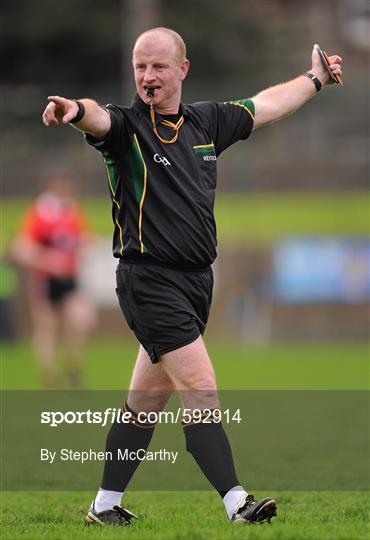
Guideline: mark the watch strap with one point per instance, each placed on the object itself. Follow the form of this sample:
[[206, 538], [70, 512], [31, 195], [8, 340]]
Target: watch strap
[[315, 80]]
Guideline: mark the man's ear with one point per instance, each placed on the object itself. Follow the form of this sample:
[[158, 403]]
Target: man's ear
[[184, 68]]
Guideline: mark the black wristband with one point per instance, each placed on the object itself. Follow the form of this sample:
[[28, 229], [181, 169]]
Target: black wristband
[[315, 80], [80, 113]]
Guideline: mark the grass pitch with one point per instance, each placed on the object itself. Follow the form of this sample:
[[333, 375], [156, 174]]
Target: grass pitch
[[242, 218], [321, 366], [187, 516]]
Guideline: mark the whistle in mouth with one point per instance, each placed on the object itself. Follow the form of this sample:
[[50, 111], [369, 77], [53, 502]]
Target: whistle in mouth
[[150, 91]]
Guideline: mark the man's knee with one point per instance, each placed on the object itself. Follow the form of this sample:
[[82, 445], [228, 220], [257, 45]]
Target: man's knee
[[202, 380], [149, 400], [199, 399], [199, 390]]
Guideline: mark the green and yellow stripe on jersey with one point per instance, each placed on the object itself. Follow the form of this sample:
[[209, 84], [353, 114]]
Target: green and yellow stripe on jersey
[[204, 148], [113, 184], [246, 104], [139, 175]]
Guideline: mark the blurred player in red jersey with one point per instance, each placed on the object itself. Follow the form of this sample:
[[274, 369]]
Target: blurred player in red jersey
[[51, 235]]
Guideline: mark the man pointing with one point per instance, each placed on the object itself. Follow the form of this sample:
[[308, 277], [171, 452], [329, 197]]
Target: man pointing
[[160, 156]]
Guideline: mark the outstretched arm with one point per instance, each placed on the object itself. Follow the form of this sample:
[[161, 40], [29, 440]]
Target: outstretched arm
[[96, 120], [279, 101]]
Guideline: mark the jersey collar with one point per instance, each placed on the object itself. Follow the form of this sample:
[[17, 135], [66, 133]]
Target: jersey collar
[[139, 104]]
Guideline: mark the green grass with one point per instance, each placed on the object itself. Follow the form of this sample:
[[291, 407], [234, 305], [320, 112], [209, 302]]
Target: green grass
[[322, 366], [243, 218], [303, 515], [264, 217], [187, 516]]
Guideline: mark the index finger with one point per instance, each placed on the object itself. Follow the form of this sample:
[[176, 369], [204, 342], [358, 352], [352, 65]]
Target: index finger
[[48, 116]]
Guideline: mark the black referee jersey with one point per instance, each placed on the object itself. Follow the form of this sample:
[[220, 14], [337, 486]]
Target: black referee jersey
[[163, 194]]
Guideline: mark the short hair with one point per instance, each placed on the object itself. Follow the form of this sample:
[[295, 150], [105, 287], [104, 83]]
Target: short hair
[[179, 42]]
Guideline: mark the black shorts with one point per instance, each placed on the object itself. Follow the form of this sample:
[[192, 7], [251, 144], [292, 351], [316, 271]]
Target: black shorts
[[58, 288], [165, 308]]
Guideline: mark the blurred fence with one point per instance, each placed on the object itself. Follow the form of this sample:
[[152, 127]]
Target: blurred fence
[[260, 295]]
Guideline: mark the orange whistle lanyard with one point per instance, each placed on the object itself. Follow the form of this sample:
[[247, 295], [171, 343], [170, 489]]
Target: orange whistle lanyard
[[176, 127]]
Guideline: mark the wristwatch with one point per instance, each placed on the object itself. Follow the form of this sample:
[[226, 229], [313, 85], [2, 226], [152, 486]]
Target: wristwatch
[[315, 80]]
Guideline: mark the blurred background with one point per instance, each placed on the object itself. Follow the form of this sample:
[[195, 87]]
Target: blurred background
[[293, 201]]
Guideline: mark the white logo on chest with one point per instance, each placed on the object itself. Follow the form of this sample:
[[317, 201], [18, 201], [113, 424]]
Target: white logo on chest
[[158, 159]]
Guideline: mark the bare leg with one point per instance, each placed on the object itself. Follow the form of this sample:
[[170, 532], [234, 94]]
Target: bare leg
[[192, 373], [191, 370], [44, 339], [79, 317], [150, 386]]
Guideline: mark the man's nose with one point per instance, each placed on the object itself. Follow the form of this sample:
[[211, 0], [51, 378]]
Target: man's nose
[[149, 75]]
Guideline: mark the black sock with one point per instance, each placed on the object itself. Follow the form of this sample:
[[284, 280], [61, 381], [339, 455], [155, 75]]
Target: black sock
[[210, 447], [131, 436]]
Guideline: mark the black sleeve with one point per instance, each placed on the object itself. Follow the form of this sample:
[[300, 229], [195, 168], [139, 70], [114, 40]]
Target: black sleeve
[[228, 122], [117, 137]]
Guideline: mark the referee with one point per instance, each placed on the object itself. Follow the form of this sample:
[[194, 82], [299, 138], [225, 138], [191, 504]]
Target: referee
[[160, 156]]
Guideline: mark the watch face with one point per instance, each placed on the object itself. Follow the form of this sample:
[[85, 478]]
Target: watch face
[[317, 83]]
